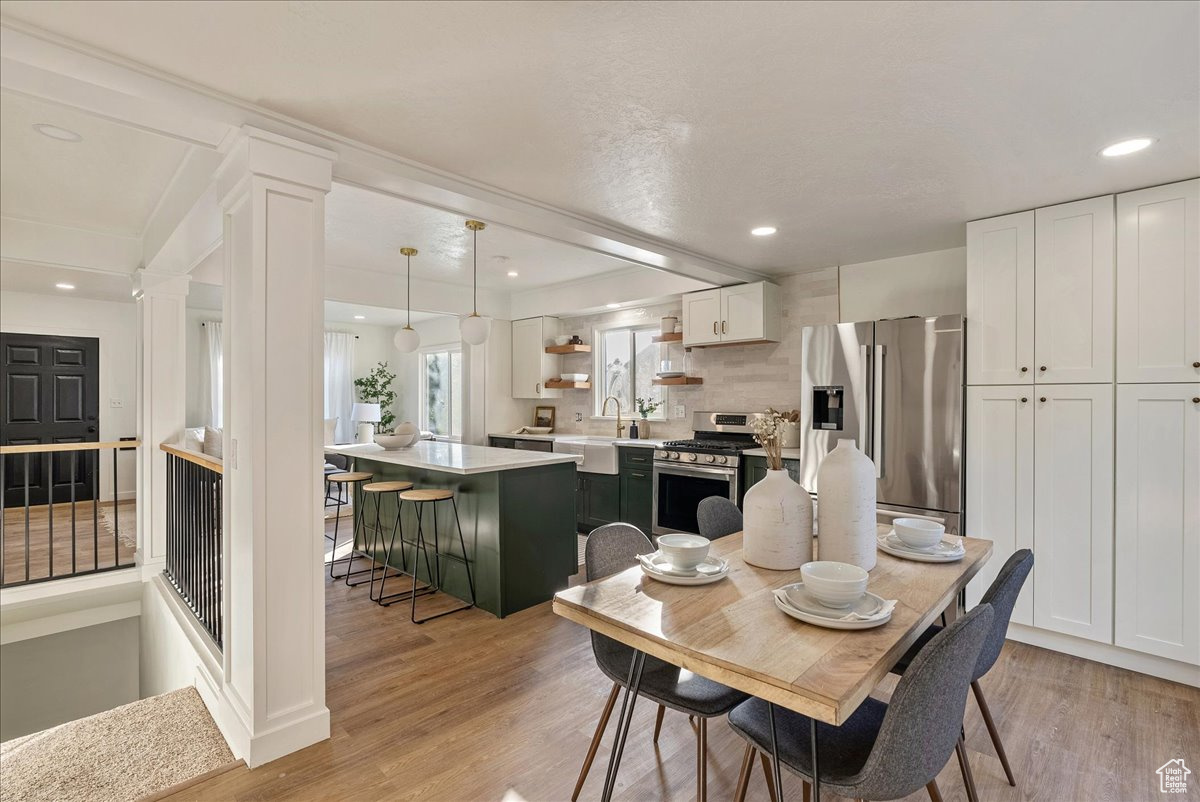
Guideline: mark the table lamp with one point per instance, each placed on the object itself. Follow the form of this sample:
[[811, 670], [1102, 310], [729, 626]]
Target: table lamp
[[367, 416]]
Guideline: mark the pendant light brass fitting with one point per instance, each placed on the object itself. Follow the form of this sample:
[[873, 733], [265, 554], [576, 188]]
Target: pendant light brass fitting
[[476, 225], [408, 251]]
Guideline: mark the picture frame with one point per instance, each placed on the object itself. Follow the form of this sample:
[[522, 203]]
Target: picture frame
[[543, 416]]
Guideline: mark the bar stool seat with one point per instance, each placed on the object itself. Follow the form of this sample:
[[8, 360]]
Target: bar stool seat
[[351, 476], [421, 497], [386, 487], [343, 479]]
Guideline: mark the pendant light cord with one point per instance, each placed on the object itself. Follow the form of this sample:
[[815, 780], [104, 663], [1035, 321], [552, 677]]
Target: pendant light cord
[[475, 271], [408, 289]]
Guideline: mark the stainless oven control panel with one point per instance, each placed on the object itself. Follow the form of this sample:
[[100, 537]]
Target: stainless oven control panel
[[693, 457]]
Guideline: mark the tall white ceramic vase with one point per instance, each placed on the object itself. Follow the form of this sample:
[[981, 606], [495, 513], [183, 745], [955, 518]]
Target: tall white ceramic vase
[[846, 506], [777, 523]]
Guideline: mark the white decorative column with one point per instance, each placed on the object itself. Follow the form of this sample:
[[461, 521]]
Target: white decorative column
[[162, 401], [272, 190]]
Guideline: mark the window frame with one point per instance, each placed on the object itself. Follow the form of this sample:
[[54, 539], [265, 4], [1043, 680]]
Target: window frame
[[449, 349], [598, 394]]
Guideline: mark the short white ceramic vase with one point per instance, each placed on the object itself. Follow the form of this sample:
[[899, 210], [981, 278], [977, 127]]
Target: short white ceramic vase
[[777, 523], [846, 506]]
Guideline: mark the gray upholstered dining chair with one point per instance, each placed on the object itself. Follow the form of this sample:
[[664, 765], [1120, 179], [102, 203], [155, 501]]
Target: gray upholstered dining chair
[[610, 549], [718, 517], [885, 750], [1002, 596]]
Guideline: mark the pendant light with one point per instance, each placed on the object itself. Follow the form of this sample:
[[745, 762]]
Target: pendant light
[[407, 339], [475, 329]]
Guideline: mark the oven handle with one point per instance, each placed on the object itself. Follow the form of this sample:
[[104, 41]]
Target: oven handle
[[697, 470]]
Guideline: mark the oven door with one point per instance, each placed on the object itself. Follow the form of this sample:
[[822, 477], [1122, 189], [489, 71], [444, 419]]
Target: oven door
[[679, 489]]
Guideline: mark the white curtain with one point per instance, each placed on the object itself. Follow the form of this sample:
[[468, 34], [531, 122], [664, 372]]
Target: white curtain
[[339, 383], [211, 373]]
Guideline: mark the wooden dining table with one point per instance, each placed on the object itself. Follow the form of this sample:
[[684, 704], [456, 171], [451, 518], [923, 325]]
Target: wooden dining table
[[731, 632]]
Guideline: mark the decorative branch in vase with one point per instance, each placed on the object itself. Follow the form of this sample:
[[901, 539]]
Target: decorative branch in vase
[[777, 512], [645, 407], [376, 388]]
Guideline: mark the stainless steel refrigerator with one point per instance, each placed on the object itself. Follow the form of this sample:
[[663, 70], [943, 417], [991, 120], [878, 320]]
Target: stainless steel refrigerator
[[896, 388]]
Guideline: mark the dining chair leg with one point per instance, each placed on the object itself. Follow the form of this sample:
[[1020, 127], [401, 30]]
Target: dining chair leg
[[964, 766], [702, 761], [807, 790], [662, 709], [629, 700], [934, 794], [766, 767], [739, 795], [591, 752], [992, 731]]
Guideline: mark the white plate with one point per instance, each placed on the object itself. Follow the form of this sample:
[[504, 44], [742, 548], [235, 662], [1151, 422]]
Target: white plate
[[669, 374], [711, 570], [948, 551], [813, 612]]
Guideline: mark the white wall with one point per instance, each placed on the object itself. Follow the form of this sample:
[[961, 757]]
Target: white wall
[[924, 284], [115, 324], [57, 678]]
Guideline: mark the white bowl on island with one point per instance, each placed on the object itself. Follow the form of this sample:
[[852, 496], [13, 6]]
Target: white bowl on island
[[919, 533], [836, 585], [403, 436], [683, 551]]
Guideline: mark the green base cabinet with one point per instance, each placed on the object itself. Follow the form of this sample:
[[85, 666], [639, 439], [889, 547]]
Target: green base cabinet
[[597, 500], [637, 486], [756, 470]]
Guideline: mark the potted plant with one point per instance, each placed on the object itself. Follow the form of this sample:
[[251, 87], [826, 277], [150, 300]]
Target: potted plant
[[777, 512], [645, 407], [376, 388]]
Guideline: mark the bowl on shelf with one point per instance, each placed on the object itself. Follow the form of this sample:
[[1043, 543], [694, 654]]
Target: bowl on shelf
[[573, 377], [562, 339], [834, 584], [669, 374], [684, 552], [919, 533]]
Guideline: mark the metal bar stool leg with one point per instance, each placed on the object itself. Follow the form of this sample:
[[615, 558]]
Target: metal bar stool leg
[[466, 564], [337, 519], [383, 599], [421, 545]]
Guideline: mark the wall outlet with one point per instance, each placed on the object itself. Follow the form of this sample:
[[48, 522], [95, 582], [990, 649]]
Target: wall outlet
[[680, 412], [579, 417], [116, 403]]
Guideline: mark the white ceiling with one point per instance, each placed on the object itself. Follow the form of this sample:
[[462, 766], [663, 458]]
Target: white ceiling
[[40, 279], [108, 182], [208, 296], [365, 229], [862, 130]]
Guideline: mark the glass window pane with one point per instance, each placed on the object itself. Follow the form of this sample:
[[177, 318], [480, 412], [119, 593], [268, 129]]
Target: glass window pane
[[618, 368], [645, 365], [437, 381], [456, 410]]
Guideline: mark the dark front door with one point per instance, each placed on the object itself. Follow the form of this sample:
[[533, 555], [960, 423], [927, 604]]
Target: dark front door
[[51, 389]]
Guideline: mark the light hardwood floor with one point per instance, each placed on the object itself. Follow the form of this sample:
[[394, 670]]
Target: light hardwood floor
[[88, 539], [469, 707]]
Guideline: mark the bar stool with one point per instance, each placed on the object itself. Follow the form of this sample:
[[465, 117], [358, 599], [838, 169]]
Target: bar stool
[[376, 490], [342, 481], [421, 497]]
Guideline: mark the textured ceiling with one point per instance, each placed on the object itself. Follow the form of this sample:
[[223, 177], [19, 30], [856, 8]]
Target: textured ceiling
[[110, 181], [861, 130], [365, 229], [40, 279]]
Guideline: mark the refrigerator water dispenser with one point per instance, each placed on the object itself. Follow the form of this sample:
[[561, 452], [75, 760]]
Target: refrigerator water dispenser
[[828, 409]]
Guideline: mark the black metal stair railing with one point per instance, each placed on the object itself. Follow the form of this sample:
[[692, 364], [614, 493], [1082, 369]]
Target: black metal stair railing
[[194, 536]]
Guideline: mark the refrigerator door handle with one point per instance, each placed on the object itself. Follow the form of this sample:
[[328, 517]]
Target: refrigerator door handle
[[877, 411], [864, 353]]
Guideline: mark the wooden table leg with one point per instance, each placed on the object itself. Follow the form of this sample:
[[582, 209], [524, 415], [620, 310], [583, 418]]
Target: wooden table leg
[[775, 751], [627, 703], [816, 768]]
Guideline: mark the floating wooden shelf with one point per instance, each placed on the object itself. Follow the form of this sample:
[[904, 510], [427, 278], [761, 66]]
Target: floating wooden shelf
[[559, 384], [569, 348], [674, 337], [676, 380]]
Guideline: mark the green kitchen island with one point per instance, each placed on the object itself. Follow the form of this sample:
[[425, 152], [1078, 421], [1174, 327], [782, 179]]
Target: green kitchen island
[[517, 510]]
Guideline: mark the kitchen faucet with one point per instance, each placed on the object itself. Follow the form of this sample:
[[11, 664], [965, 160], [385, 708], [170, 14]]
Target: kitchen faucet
[[604, 411]]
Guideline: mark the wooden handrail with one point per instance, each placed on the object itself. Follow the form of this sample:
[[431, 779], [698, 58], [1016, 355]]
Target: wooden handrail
[[195, 457], [42, 448]]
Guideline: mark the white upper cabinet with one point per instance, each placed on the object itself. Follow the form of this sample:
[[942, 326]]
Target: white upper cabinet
[[1000, 482], [1158, 284], [742, 313], [1073, 327], [1000, 308], [531, 365], [1158, 520], [1073, 509]]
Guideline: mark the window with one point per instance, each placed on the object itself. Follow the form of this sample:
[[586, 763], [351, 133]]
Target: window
[[441, 391], [626, 361]]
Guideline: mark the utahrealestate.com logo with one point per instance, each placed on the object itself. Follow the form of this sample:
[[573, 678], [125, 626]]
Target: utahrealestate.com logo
[[1173, 777]]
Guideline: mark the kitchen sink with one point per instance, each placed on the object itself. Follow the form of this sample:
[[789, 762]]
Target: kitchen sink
[[599, 453]]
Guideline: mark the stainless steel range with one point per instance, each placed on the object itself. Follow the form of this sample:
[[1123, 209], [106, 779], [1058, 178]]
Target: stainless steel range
[[710, 464]]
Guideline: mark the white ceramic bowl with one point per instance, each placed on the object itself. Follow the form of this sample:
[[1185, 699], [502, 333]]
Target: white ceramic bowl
[[918, 532], [836, 585], [573, 377], [393, 442], [683, 551], [562, 339]]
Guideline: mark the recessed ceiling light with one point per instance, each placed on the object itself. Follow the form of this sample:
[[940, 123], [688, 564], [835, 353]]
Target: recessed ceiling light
[[54, 132], [1127, 147], [62, 285], [614, 306], [763, 231], [360, 317], [512, 274]]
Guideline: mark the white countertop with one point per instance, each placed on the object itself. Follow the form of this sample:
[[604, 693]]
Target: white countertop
[[623, 441], [788, 453], [455, 457]]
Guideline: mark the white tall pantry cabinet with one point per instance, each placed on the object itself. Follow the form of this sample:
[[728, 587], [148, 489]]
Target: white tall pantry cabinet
[[1083, 421]]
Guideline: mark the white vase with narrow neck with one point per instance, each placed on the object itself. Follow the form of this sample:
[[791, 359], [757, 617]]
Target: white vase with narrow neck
[[777, 523], [846, 506]]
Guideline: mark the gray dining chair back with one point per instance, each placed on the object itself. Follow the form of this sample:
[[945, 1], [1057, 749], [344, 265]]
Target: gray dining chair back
[[718, 517], [1002, 595], [925, 714], [611, 549]]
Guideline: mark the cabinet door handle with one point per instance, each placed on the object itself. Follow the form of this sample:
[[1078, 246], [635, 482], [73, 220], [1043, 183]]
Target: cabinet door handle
[[722, 326], [1196, 400], [1042, 368], [714, 327], [1024, 369], [1025, 400], [638, 475], [537, 388], [1196, 364], [1042, 399]]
